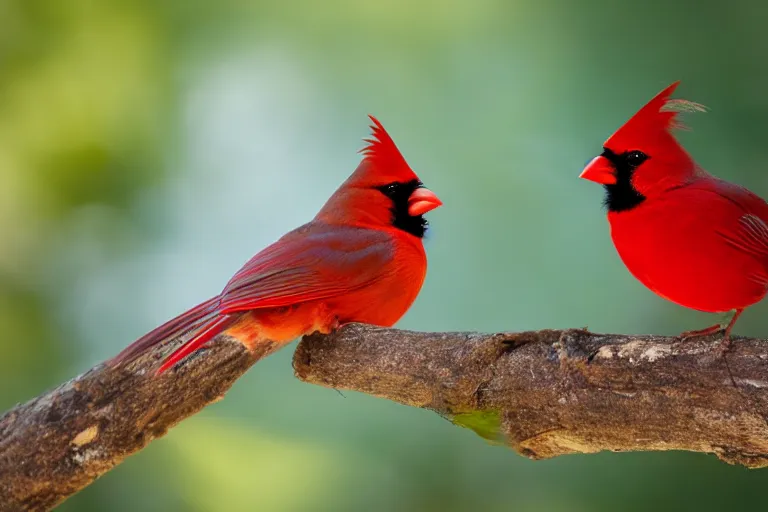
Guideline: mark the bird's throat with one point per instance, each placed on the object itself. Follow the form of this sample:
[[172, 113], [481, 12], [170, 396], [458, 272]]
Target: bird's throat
[[622, 196]]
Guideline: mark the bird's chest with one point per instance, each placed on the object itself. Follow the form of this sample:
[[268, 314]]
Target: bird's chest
[[386, 300], [649, 245], [681, 255]]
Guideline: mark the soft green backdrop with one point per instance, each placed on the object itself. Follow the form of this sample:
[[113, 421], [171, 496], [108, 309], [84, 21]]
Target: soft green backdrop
[[149, 147]]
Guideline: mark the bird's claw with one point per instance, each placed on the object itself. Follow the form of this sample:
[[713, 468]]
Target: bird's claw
[[685, 336], [725, 343]]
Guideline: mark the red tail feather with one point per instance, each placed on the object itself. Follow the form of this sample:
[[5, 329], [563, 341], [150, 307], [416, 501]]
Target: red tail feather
[[182, 324], [206, 334]]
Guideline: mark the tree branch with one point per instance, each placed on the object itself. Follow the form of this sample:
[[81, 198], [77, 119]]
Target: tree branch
[[58, 443], [555, 392], [544, 393]]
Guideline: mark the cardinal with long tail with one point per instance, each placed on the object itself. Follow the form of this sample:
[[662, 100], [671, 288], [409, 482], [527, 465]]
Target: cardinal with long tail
[[361, 259]]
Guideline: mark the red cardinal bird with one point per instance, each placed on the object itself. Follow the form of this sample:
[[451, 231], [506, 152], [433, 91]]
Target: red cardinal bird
[[692, 238], [361, 259]]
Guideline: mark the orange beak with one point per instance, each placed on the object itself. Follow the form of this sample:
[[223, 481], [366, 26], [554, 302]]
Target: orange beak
[[422, 201], [600, 170]]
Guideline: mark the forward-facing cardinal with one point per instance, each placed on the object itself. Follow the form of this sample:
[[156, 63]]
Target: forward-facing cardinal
[[692, 238], [361, 259]]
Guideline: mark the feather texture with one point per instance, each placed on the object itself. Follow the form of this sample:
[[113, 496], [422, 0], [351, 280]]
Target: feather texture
[[353, 262], [187, 322], [382, 151], [694, 239], [315, 262]]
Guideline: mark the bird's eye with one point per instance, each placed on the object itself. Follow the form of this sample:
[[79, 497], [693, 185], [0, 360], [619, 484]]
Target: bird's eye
[[635, 158], [390, 189]]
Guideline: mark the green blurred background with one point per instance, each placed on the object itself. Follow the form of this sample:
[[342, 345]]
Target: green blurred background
[[149, 147]]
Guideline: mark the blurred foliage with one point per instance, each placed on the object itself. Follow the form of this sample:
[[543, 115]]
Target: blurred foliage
[[148, 148], [81, 116], [228, 476]]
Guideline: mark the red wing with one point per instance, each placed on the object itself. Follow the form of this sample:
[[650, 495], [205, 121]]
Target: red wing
[[746, 229], [311, 263], [751, 235]]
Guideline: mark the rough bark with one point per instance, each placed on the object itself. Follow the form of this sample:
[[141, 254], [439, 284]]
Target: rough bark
[[58, 443], [556, 392], [544, 393]]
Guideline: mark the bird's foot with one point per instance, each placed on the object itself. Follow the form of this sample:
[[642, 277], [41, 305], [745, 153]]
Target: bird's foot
[[725, 343], [701, 332], [723, 346]]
